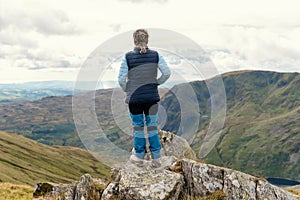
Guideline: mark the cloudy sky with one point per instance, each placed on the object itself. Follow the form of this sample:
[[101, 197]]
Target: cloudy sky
[[50, 39]]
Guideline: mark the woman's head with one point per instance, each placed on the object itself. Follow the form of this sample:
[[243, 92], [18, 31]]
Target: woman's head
[[140, 38]]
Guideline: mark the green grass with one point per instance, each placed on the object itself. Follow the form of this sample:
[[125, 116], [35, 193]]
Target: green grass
[[262, 129], [24, 161]]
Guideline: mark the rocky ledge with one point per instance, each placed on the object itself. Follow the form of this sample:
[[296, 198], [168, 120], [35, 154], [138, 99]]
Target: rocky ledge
[[178, 178]]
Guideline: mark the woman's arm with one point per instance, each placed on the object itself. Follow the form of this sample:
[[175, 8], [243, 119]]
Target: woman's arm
[[123, 74], [164, 69]]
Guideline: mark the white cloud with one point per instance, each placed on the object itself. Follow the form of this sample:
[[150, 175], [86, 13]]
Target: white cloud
[[55, 35], [260, 48], [48, 21], [35, 39]]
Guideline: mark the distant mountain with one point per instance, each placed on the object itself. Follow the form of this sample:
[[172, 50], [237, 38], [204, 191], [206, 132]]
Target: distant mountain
[[24, 161], [261, 135], [34, 90], [19, 92]]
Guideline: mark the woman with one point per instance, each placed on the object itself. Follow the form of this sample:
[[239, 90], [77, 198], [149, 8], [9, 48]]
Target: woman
[[138, 78]]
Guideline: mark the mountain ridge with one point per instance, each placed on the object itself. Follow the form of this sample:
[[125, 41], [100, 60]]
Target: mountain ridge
[[260, 136]]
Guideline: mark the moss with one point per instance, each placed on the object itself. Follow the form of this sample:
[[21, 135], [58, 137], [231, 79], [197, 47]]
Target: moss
[[44, 189]]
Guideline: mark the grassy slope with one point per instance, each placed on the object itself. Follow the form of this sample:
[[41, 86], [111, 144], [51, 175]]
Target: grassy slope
[[25, 161]]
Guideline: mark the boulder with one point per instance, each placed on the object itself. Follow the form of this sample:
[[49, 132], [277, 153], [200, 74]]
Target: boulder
[[85, 189], [204, 180], [173, 145], [201, 179], [265, 190], [139, 183]]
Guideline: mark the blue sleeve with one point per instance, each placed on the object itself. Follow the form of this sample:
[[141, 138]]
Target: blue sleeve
[[123, 73], [164, 69]]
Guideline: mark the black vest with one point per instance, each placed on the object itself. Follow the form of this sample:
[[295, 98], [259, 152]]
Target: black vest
[[141, 86]]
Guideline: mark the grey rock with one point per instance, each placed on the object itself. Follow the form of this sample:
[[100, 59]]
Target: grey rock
[[148, 183], [145, 182], [266, 191], [201, 179], [238, 185], [69, 191], [111, 192], [85, 189], [179, 177], [115, 175], [173, 145], [51, 190]]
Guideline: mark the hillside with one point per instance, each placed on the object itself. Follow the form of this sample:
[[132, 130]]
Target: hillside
[[24, 161], [265, 116], [47, 121], [261, 135]]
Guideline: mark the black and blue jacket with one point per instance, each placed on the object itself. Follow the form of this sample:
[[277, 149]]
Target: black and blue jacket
[[138, 75]]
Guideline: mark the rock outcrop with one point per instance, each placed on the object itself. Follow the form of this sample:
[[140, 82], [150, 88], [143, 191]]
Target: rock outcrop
[[177, 178], [173, 145], [132, 182], [204, 179], [86, 188]]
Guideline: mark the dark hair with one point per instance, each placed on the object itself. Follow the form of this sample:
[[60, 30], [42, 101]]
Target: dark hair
[[140, 37]]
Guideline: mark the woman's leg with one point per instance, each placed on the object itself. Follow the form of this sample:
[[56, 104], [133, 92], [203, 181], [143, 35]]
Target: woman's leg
[[137, 117], [151, 122]]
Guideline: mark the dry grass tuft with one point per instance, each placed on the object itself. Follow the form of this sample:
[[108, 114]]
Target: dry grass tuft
[[9, 191]]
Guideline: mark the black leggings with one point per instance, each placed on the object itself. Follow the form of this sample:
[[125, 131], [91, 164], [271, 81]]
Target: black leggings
[[143, 108]]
